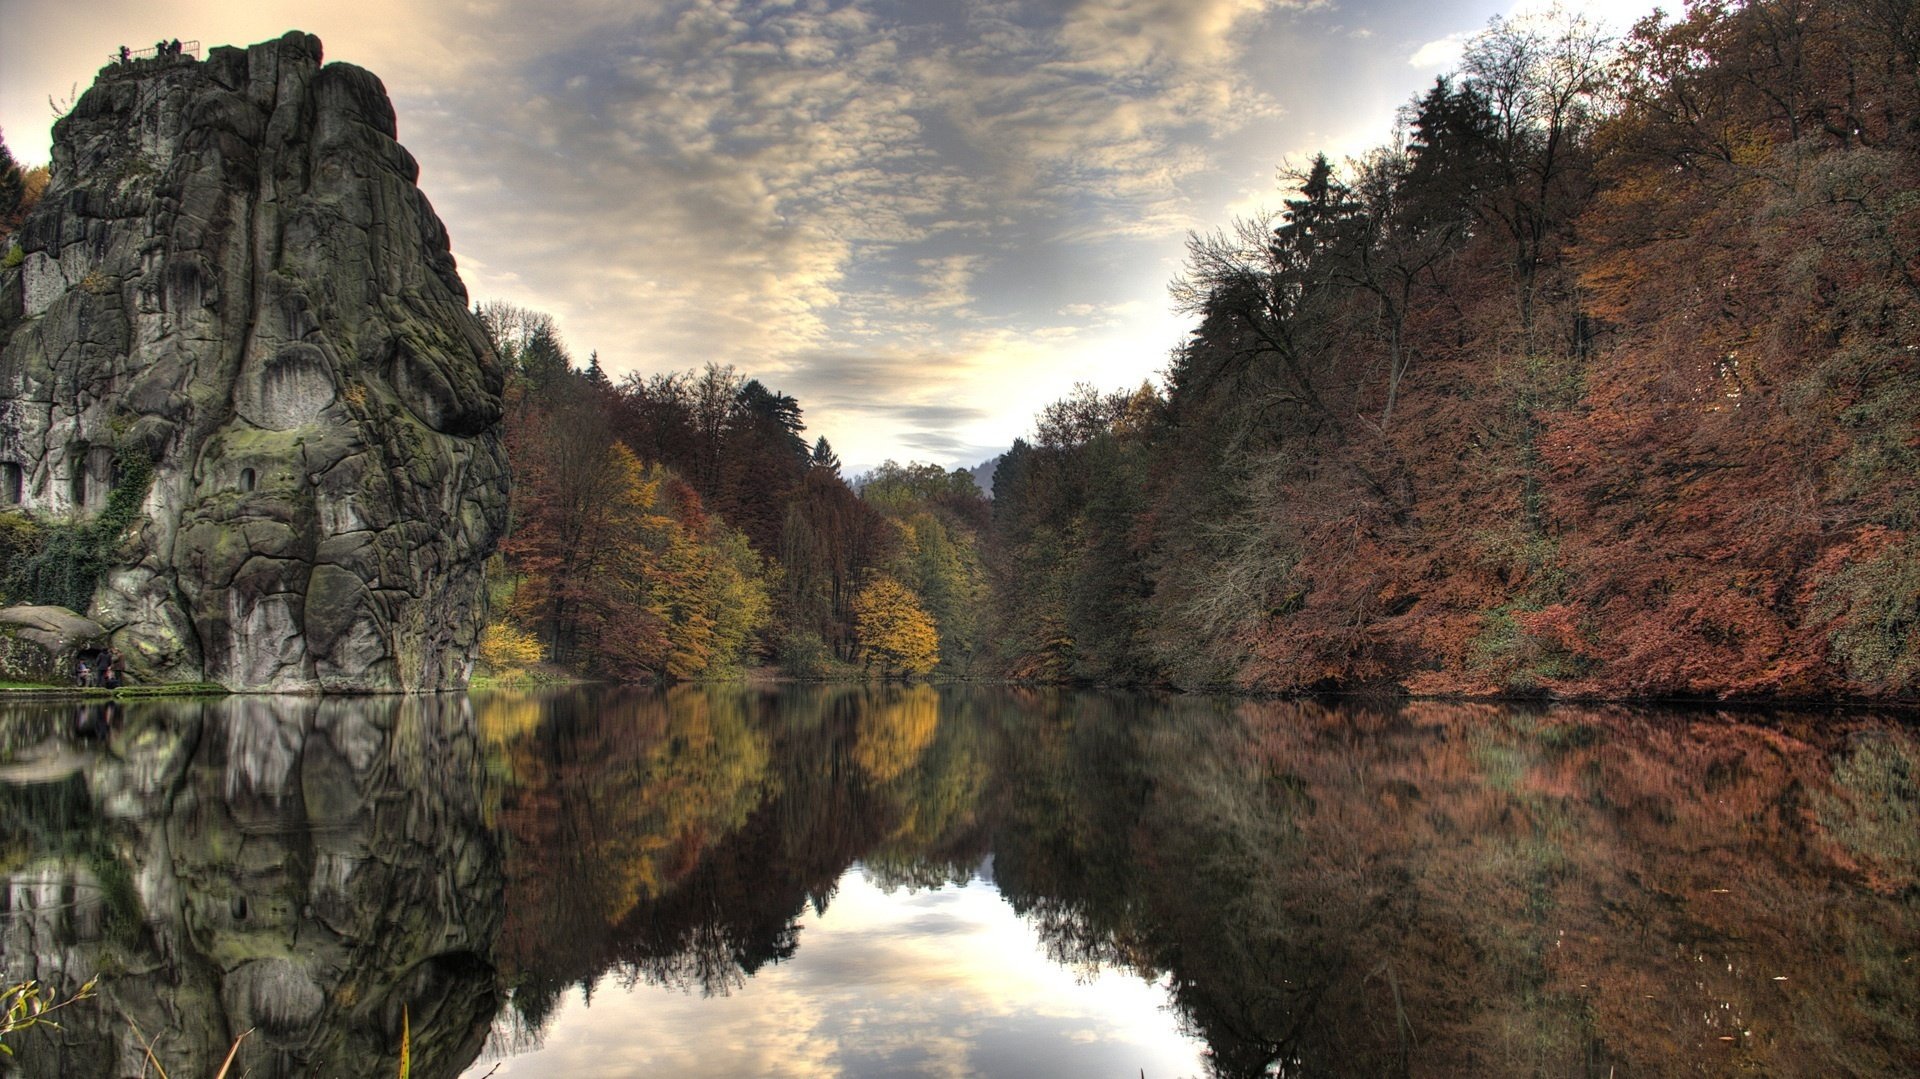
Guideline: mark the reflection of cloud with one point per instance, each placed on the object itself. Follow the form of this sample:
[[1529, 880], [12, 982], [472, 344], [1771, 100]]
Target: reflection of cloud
[[948, 982]]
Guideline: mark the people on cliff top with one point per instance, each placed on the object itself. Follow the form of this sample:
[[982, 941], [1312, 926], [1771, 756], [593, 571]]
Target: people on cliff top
[[126, 55]]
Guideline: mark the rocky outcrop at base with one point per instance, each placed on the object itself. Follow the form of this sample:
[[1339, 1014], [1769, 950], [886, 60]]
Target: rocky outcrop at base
[[43, 644], [234, 279]]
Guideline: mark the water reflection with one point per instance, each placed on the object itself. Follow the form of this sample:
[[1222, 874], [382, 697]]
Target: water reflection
[[804, 874], [1435, 889], [297, 869]]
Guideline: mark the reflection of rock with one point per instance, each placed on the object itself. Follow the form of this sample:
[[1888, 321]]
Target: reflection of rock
[[234, 277], [299, 868], [42, 644]]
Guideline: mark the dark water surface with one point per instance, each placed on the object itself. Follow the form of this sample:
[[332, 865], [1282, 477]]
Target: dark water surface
[[911, 881]]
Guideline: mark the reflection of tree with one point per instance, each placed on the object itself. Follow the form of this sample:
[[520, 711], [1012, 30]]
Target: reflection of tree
[[937, 835], [613, 797], [896, 727], [1468, 890], [676, 837], [1434, 889]]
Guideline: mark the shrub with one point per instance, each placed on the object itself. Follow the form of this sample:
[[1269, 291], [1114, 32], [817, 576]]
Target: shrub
[[71, 556], [508, 650]]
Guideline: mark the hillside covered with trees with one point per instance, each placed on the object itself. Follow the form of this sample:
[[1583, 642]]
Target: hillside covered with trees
[[1600, 379], [1597, 380], [679, 526]]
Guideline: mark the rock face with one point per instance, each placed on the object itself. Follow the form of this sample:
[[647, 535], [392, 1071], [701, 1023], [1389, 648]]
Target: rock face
[[234, 276]]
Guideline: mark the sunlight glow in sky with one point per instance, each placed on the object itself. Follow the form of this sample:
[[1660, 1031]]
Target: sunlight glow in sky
[[931, 983], [925, 219]]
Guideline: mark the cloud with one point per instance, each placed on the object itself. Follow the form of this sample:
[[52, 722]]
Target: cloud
[[1442, 53], [726, 177], [948, 204]]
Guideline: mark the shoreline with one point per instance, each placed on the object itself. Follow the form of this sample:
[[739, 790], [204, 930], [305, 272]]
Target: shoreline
[[759, 680]]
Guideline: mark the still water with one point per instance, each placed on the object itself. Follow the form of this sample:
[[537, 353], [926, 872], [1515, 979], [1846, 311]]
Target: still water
[[914, 881]]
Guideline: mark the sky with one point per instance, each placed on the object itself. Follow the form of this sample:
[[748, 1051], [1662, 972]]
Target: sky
[[924, 220]]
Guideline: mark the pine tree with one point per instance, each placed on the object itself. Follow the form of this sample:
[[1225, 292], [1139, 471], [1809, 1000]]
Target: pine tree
[[824, 457], [12, 184]]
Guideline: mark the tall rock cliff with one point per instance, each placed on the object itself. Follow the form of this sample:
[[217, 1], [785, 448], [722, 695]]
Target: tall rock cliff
[[234, 279]]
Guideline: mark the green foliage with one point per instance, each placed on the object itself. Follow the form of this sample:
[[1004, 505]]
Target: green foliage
[[1876, 602], [897, 488], [12, 185], [15, 256], [803, 654], [943, 565], [24, 1006], [22, 538], [543, 361], [937, 517], [1073, 595], [73, 555]]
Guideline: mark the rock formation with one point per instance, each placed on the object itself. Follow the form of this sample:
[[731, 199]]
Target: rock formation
[[43, 644], [234, 277]]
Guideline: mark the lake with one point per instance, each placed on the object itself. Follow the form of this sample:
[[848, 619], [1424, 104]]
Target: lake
[[919, 881]]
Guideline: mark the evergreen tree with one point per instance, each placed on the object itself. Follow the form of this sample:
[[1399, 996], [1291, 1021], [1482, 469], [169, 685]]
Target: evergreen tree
[[543, 360], [12, 183], [824, 457]]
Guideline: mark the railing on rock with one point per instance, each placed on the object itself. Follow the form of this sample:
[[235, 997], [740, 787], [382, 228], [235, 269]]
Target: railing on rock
[[154, 52]]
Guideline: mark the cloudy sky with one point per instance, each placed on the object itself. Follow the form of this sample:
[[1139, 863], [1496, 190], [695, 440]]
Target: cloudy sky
[[925, 219]]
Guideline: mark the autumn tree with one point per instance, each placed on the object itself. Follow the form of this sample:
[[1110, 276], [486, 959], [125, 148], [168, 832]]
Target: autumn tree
[[896, 634], [508, 650], [620, 568], [829, 539], [938, 517]]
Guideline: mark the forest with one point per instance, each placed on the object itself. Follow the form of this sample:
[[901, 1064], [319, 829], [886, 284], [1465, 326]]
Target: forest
[[1597, 380], [680, 526]]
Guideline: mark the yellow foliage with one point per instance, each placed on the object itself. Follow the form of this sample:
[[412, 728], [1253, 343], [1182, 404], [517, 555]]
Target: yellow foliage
[[508, 650], [894, 630], [895, 734]]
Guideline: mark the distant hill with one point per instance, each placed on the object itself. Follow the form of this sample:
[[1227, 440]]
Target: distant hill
[[982, 474]]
